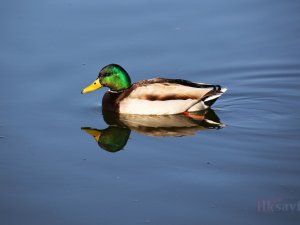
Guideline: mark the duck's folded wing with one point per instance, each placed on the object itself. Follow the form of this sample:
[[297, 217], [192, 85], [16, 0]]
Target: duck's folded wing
[[163, 96]]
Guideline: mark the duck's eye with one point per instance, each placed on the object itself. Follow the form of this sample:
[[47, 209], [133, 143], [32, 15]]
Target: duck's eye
[[94, 82]]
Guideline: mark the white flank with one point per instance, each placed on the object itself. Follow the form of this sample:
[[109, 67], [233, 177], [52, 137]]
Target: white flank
[[146, 107], [137, 102]]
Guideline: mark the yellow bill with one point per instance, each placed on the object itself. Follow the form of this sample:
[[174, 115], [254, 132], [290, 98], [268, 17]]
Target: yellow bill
[[94, 132], [92, 87]]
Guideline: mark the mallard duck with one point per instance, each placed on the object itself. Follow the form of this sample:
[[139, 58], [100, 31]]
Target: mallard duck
[[158, 96]]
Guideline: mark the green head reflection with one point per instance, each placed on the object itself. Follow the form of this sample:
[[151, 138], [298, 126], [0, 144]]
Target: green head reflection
[[111, 139]]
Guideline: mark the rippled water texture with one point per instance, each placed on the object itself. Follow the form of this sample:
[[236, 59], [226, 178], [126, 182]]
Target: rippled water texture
[[63, 162]]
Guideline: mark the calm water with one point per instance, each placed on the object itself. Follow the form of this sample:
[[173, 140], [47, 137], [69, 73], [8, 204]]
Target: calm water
[[236, 172]]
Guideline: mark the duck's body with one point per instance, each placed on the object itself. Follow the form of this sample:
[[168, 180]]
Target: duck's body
[[161, 96], [158, 96]]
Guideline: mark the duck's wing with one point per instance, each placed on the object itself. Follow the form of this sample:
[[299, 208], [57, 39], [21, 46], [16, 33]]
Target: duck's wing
[[164, 96]]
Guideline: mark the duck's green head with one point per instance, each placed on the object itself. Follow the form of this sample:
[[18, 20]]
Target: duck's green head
[[112, 76]]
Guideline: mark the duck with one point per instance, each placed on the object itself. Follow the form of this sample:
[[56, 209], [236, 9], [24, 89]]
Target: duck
[[156, 96]]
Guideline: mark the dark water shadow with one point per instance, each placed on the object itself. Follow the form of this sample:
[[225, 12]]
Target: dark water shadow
[[115, 136]]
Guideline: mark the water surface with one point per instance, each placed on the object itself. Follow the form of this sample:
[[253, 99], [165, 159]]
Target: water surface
[[53, 172]]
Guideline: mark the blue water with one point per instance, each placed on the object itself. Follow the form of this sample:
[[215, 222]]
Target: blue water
[[52, 172]]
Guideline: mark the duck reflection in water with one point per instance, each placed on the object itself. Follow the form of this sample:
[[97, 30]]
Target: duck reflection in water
[[115, 136]]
